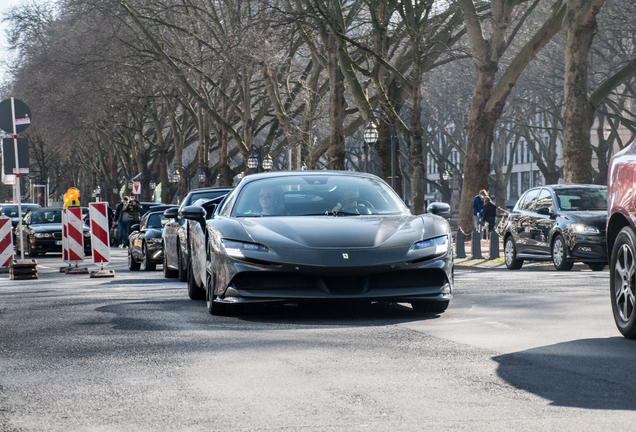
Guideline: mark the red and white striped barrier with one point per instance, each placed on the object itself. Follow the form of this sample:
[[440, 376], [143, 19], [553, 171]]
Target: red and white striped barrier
[[75, 235], [100, 239], [6, 242]]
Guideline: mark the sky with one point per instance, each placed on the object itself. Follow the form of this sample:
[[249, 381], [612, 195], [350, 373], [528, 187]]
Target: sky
[[5, 5]]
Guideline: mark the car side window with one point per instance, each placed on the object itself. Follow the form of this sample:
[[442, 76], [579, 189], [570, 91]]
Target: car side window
[[529, 201], [227, 207], [545, 200]]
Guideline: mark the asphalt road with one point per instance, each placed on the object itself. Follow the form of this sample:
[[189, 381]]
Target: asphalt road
[[525, 350]]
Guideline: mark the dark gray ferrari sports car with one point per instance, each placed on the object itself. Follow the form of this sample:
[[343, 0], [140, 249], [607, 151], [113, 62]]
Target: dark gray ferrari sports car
[[306, 236]]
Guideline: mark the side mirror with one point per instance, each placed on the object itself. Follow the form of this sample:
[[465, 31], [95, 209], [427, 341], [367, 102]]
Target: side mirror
[[439, 209], [171, 213], [195, 213], [544, 211], [135, 227]]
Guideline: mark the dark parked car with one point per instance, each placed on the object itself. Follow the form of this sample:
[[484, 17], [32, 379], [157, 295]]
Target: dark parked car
[[307, 236], [11, 210], [621, 240], [144, 242], [42, 232], [559, 223], [175, 234]]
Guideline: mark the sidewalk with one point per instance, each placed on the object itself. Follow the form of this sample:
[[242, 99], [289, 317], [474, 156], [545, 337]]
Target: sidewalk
[[498, 263]]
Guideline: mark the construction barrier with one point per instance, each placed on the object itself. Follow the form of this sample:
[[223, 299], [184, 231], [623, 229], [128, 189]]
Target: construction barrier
[[75, 240], [100, 241], [6, 244]]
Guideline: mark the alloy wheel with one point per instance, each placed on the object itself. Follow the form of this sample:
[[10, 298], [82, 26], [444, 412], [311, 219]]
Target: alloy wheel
[[624, 270]]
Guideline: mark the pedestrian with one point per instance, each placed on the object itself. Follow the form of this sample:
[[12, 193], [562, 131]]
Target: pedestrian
[[478, 205], [121, 219], [134, 210], [490, 214]]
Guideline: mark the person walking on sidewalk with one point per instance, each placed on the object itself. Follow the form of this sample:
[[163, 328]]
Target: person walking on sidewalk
[[133, 208], [121, 219], [490, 214], [478, 205]]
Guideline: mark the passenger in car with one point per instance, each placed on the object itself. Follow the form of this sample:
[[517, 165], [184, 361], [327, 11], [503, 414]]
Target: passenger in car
[[271, 199]]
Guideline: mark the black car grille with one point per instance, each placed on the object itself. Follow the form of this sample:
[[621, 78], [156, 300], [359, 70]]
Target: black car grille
[[264, 281]]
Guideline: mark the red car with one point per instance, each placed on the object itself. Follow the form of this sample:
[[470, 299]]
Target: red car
[[621, 238]]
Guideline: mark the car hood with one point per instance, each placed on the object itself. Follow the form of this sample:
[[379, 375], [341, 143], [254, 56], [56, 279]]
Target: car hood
[[343, 231], [50, 227], [596, 219]]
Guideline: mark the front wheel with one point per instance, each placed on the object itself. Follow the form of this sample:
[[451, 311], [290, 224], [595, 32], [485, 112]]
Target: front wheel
[[132, 264], [195, 292], [622, 283], [560, 255], [183, 273], [148, 264], [510, 255], [168, 273]]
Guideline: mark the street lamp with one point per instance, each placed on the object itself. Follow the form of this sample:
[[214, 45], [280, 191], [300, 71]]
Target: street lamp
[[445, 175], [260, 158], [152, 184], [371, 137], [189, 173]]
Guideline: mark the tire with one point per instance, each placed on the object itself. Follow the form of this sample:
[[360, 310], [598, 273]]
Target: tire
[[132, 264], [560, 254], [217, 308], [195, 292], [148, 264], [427, 306], [183, 274], [510, 255], [596, 267], [622, 282], [167, 272]]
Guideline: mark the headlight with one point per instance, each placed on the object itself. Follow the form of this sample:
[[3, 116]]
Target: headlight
[[440, 244], [42, 235], [236, 248], [584, 229], [87, 233], [153, 241]]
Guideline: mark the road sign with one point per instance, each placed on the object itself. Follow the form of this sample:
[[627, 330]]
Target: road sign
[[8, 155], [22, 116], [136, 189]]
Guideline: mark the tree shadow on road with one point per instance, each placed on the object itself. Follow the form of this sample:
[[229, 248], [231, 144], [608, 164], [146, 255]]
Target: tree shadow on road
[[587, 373]]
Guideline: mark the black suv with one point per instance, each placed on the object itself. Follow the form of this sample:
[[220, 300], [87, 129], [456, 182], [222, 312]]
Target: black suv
[[559, 223]]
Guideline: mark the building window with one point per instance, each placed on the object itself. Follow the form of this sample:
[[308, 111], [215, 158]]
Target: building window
[[514, 186], [525, 181], [537, 179]]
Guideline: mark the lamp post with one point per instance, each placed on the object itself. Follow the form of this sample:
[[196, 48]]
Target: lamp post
[[260, 159], [188, 172], [371, 137]]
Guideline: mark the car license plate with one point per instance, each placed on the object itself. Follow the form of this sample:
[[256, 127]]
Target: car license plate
[[58, 242]]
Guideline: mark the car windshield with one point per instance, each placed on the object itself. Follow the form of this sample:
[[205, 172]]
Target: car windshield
[[46, 216], [12, 210], [210, 194], [156, 220], [317, 195], [582, 199]]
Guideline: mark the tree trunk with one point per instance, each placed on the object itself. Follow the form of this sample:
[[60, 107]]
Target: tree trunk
[[580, 28], [337, 107], [479, 135]]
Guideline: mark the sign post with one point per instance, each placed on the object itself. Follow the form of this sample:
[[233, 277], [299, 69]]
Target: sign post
[[16, 125]]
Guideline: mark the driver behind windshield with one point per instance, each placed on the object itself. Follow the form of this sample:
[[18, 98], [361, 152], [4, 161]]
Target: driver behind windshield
[[347, 197]]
